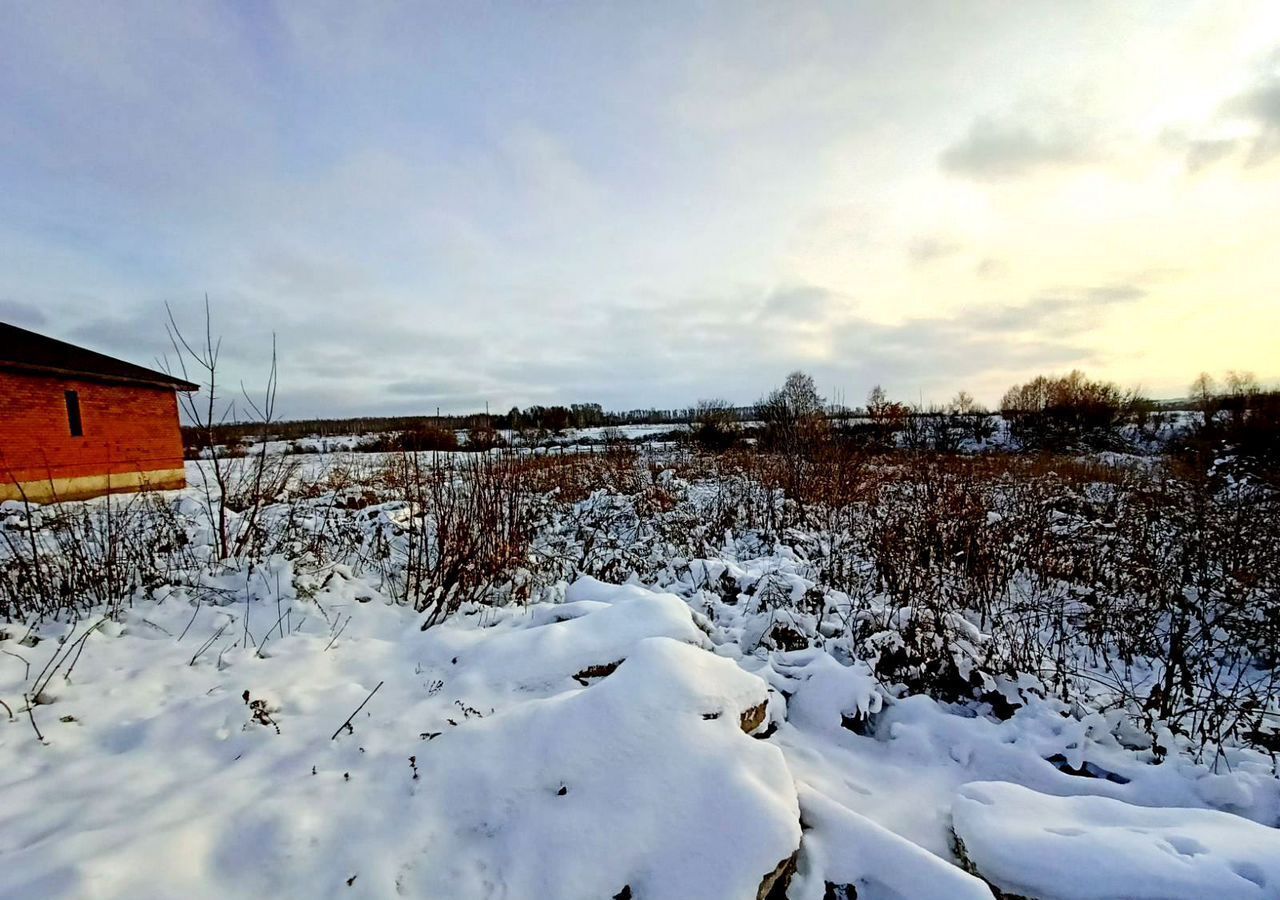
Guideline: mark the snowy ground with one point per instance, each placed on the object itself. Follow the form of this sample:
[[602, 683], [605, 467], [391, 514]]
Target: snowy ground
[[300, 736], [1095, 847], [569, 437]]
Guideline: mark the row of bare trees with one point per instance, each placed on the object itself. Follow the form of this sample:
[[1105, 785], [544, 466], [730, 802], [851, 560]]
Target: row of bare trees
[[1049, 413]]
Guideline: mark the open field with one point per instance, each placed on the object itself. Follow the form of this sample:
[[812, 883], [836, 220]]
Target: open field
[[646, 673]]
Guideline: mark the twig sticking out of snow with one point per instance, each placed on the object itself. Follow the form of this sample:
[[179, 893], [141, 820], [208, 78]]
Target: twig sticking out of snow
[[60, 657], [209, 643], [337, 634], [19, 659], [32, 716], [347, 724]]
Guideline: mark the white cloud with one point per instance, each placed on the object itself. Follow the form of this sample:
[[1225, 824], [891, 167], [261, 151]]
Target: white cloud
[[637, 205]]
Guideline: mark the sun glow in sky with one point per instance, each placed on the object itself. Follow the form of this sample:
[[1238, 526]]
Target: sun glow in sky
[[643, 204]]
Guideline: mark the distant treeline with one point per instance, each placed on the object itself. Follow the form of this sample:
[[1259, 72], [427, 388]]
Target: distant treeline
[[536, 419], [1053, 413]]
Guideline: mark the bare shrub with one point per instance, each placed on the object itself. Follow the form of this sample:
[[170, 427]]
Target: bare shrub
[[419, 437], [1066, 412], [236, 484], [1237, 432], [715, 427], [74, 558], [464, 533], [793, 415], [887, 418], [484, 437]]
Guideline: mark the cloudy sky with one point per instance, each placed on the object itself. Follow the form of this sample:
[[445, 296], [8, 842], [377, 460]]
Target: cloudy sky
[[646, 203]]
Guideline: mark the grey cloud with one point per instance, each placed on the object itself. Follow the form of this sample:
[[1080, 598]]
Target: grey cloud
[[999, 149], [1061, 312], [989, 267], [934, 357], [797, 303], [926, 249], [947, 349], [1114, 293], [138, 333], [333, 351], [442, 390], [26, 315], [539, 229], [660, 350], [138, 339], [1202, 153], [1262, 105], [1258, 107], [290, 272], [741, 359]]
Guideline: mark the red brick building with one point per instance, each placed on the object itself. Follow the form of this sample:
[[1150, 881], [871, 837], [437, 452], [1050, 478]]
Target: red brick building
[[76, 424]]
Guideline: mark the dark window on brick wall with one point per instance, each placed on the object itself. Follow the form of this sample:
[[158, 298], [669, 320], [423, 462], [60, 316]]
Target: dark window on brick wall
[[73, 414]]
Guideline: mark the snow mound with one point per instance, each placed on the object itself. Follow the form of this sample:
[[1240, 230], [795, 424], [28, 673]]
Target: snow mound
[[589, 637], [828, 696], [1089, 848], [473, 764], [844, 849], [643, 780]]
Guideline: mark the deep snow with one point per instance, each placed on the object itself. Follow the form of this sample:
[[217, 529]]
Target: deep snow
[[158, 779], [641, 740], [1093, 848]]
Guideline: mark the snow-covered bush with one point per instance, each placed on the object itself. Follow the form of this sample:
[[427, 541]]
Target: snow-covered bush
[[1149, 589]]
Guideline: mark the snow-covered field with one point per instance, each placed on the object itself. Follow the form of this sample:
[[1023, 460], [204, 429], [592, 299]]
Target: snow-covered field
[[270, 727], [569, 437]]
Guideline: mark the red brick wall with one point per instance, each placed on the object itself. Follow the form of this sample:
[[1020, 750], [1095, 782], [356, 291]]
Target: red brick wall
[[127, 428]]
